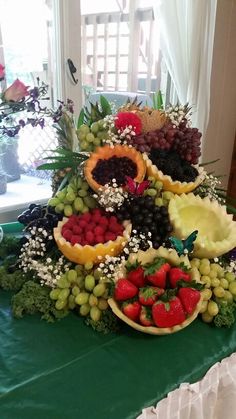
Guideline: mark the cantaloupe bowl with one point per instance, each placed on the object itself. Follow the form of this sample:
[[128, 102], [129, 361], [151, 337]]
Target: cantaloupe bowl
[[169, 184], [95, 254], [216, 229], [105, 153]]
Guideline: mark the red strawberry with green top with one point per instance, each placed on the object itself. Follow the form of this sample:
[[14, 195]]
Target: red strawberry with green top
[[124, 290], [137, 277], [178, 274], [148, 295], [189, 298], [168, 314], [157, 271], [131, 309], [145, 317]]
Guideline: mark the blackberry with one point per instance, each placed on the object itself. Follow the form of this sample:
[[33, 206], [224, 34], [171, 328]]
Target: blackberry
[[171, 164], [154, 219], [114, 167]]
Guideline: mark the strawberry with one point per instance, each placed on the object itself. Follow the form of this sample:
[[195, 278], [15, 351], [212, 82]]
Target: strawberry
[[168, 314], [124, 290], [148, 295], [131, 309], [145, 317], [178, 274], [189, 298], [137, 277], [156, 272]]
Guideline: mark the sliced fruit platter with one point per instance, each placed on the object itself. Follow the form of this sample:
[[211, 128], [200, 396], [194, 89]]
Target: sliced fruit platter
[[136, 229]]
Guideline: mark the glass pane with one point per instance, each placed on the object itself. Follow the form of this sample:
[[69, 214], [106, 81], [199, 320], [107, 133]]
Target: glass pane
[[26, 29]]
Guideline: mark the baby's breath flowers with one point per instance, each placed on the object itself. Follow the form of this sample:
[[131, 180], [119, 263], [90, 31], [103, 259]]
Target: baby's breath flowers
[[111, 196], [113, 266], [178, 114], [33, 257], [209, 187]]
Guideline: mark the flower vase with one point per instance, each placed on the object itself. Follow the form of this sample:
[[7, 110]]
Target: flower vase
[[10, 163]]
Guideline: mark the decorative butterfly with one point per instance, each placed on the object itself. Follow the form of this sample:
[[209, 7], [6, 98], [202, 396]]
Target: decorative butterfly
[[136, 188], [184, 246]]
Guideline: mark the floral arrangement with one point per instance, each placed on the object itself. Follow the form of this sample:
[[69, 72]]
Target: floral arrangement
[[136, 230]]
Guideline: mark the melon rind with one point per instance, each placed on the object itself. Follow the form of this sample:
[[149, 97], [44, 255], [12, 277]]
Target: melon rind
[[107, 152], [216, 229], [169, 184], [95, 254]]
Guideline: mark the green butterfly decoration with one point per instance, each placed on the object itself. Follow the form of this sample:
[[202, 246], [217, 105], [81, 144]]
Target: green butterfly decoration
[[184, 246]]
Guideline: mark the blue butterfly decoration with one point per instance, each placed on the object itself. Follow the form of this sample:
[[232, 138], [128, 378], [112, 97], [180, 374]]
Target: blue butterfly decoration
[[184, 246]]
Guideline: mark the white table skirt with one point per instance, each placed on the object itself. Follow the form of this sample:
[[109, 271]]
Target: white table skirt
[[214, 397]]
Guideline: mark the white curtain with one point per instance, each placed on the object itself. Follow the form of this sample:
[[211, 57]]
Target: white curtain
[[187, 37], [214, 397]]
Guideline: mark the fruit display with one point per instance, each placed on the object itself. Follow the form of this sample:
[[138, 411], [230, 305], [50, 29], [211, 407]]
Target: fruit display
[[137, 231]]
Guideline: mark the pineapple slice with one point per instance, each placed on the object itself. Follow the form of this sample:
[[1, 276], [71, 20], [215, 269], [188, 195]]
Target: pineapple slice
[[216, 228]]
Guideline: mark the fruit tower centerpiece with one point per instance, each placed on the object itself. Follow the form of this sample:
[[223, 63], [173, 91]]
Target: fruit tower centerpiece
[[136, 230]]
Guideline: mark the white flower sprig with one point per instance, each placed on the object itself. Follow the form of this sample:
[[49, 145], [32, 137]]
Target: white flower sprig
[[209, 188], [177, 114], [31, 256], [111, 196]]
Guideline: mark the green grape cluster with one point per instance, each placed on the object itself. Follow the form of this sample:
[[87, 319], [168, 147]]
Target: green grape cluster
[[91, 137], [74, 198], [156, 190], [220, 287], [81, 288]]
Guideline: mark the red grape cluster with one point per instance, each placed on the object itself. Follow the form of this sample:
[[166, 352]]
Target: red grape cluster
[[183, 139]]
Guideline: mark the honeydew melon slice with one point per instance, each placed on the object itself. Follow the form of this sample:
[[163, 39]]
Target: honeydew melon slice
[[216, 229]]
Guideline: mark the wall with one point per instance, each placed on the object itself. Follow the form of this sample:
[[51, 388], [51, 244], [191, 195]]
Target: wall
[[219, 140]]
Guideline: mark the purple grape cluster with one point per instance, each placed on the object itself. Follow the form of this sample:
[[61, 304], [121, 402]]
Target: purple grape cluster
[[183, 139], [39, 216]]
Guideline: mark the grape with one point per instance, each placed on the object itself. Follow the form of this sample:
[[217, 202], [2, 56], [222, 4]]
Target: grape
[[102, 304], [84, 309], [82, 298], [206, 293], [224, 283], [230, 276], [212, 308], [219, 291], [99, 290], [90, 137], [64, 294], [228, 297], [203, 307], [232, 288], [215, 282], [60, 304], [94, 127], [93, 301], [206, 317], [89, 282], [75, 290], [62, 282], [54, 294], [95, 313], [88, 266], [204, 269], [71, 302], [68, 211], [71, 275]]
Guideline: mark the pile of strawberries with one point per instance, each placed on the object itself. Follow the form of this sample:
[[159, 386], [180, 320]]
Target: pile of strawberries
[[157, 294], [92, 228]]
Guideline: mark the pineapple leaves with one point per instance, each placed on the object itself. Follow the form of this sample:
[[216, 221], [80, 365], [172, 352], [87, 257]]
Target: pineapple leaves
[[157, 100], [105, 105], [80, 119], [65, 159]]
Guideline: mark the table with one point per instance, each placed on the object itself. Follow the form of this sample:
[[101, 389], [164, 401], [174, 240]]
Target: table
[[66, 370]]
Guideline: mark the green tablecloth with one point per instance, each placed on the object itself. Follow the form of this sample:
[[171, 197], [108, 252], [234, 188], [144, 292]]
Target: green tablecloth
[[66, 370]]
